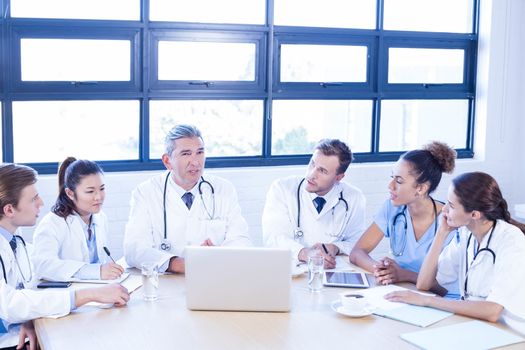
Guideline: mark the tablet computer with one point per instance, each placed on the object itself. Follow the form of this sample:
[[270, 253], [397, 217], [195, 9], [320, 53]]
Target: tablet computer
[[345, 279]]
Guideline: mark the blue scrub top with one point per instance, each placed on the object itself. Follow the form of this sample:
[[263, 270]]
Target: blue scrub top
[[414, 252]]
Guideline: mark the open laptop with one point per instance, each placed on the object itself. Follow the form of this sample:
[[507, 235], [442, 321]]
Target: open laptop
[[238, 279]]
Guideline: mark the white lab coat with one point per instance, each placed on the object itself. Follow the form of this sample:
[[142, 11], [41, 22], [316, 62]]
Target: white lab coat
[[279, 219], [502, 282], [145, 227], [61, 248], [17, 306]]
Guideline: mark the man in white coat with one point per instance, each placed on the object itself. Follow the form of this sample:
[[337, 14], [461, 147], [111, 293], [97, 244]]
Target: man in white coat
[[317, 212], [20, 205], [182, 207]]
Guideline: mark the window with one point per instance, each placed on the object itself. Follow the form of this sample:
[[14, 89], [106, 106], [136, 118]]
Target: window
[[75, 60], [263, 80], [78, 9], [49, 131]]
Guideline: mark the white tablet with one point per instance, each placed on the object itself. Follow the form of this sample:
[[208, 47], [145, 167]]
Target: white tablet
[[345, 279]]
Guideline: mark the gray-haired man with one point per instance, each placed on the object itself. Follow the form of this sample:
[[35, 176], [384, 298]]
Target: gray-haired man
[[182, 207]]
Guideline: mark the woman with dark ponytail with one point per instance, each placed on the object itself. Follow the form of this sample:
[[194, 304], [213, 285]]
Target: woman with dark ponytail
[[70, 241], [487, 257], [409, 218]]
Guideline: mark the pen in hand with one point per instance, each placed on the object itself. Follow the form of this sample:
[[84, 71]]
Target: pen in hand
[[108, 253], [324, 248]]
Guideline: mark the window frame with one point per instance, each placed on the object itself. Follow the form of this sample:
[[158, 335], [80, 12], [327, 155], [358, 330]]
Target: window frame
[[144, 86]]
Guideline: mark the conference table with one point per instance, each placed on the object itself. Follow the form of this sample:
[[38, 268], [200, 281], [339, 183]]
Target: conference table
[[167, 323]]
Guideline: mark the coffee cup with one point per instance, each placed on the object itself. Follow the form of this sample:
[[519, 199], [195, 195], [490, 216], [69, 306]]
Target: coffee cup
[[353, 302]]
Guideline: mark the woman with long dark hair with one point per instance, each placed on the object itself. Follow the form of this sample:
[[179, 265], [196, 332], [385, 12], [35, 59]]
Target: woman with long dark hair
[[70, 240], [487, 258]]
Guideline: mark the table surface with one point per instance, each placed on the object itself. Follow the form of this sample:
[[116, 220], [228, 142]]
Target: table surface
[[149, 325]]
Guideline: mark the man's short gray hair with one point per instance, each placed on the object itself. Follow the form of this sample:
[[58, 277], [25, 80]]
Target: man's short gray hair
[[180, 131]]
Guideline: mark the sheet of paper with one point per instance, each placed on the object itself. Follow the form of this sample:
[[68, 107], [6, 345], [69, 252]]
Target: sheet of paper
[[471, 335], [118, 280], [416, 315]]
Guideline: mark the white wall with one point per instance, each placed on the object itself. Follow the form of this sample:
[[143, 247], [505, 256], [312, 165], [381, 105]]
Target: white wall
[[499, 142]]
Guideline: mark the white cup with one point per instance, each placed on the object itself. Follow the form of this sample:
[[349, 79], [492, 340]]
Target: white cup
[[150, 280], [353, 302]]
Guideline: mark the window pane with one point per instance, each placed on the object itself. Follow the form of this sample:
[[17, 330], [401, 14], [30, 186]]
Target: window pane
[[77, 9], [182, 60], [298, 125], [97, 130], [75, 60], [433, 66], [453, 16], [409, 124], [323, 63], [209, 11], [229, 128], [327, 13]]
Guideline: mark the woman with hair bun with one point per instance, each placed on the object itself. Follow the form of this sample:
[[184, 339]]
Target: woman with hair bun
[[409, 218], [70, 240], [487, 260]]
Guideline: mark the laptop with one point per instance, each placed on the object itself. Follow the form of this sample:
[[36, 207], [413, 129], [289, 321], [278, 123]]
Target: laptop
[[238, 278]]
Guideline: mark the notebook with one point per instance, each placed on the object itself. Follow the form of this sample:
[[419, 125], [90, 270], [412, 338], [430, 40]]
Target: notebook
[[472, 335], [412, 314], [238, 279]]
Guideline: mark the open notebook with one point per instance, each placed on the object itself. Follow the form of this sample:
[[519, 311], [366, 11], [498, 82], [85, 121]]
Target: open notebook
[[416, 315]]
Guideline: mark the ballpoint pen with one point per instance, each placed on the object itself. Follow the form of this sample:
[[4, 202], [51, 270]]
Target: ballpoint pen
[[108, 253], [324, 248]]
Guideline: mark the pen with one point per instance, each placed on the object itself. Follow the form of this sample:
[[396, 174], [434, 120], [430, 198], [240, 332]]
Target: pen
[[324, 248], [108, 253]]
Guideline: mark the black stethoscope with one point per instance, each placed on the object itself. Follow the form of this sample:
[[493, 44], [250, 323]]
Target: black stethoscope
[[402, 216], [165, 243], [17, 263], [476, 254], [298, 233]]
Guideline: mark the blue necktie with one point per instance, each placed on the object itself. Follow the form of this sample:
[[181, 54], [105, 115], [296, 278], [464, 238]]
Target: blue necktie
[[319, 203], [2, 327], [188, 199], [12, 243]]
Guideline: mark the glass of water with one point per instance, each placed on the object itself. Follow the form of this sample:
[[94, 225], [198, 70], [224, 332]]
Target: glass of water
[[150, 280], [315, 272]]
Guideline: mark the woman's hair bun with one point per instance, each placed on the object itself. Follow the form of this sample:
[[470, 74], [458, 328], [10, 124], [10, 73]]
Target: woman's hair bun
[[443, 154]]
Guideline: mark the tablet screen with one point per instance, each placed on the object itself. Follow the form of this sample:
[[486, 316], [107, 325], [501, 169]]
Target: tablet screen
[[346, 279]]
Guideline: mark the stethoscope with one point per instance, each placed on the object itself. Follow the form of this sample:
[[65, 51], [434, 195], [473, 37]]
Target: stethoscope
[[298, 233], [165, 243], [17, 263], [476, 254], [402, 216]]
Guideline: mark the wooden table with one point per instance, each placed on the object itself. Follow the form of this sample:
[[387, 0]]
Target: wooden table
[[167, 323]]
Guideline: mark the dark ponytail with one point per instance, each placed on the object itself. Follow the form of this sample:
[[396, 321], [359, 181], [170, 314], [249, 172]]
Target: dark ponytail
[[70, 173], [430, 162], [480, 191]]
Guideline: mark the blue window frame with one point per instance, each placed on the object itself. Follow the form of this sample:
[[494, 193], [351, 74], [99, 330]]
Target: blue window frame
[[357, 83]]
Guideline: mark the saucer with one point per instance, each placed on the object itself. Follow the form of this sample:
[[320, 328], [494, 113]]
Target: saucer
[[338, 307]]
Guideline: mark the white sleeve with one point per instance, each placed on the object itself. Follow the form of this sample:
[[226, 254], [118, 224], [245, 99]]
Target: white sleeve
[[448, 269], [508, 286], [355, 224], [237, 228], [139, 245], [48, 243], [17, 306], [277, 227]]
